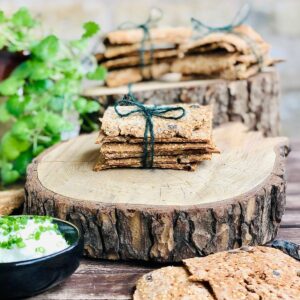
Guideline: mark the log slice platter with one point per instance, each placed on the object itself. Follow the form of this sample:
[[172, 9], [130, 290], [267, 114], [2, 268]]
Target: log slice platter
[[236, 199]]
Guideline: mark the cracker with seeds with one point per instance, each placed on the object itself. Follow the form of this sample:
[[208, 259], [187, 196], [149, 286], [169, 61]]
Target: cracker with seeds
[[196, 117], [248, 273], [102, 164], [169, 283]]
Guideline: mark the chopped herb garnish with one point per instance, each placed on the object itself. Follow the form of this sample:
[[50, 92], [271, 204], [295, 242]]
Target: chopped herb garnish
[[40, 250], [38, 235]]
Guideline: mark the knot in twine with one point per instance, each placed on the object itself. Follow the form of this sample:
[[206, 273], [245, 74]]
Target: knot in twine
[[148, 113], [155, 15]]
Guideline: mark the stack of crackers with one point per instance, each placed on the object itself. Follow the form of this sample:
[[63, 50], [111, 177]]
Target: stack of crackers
[[233, 55], [179, 144], [127, 64], [248, 273]]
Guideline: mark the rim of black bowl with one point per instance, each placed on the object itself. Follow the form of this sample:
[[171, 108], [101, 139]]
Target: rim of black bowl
[[43, 258]]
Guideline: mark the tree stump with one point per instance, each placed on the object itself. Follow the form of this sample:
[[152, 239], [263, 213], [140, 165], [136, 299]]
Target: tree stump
[[254, 101], [11, 199], [236, 199]]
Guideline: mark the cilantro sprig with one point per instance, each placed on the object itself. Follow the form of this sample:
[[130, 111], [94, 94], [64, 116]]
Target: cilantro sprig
[[42, 92]]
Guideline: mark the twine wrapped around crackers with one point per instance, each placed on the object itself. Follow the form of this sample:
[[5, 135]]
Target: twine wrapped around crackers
[[232, 52], [134, 135]]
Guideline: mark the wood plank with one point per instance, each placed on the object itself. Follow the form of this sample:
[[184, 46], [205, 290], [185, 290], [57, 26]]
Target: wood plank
[[291, 219], [290, 234], [100, 280], [293, 203]]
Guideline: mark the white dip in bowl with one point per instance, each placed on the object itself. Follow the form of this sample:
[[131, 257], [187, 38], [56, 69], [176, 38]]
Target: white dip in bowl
[[26, 237]]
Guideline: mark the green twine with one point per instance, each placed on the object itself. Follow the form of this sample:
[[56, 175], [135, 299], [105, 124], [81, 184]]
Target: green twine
[[148, 112], [154, 17], [239, 19]]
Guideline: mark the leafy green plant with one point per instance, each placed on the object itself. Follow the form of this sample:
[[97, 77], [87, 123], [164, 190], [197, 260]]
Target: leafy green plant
[[42, 92], [16, 31]]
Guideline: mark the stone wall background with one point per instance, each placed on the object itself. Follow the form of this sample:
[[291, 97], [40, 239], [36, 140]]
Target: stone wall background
[[278, 21]]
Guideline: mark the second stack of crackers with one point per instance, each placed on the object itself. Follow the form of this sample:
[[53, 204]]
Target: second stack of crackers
[[179, 144]]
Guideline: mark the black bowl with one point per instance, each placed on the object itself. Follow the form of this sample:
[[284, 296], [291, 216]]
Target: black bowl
[[30, 277]]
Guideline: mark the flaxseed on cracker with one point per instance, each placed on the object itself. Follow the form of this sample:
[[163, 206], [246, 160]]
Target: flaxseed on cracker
[[169, 283], [196, 117], [248, 273], [179, 144]]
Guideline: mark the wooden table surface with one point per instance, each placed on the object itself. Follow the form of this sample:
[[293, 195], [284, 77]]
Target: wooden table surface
[[116, 280]]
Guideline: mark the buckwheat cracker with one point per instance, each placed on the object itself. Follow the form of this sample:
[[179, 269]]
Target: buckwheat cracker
[[135, 60], [170, 283], [248, 273], [198, 136], [124, 50], [161, 153], [103, 165], [174, 35], [132, 75], [161, 147], [205, 64], [196, 117], [240, 39], [163, 159]]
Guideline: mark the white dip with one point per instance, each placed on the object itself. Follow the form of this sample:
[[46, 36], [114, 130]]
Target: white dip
[[24, 238]]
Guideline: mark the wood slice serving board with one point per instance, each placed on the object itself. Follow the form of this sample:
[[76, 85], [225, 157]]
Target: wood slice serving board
[[254, 101], [11, 199], [165, 215]]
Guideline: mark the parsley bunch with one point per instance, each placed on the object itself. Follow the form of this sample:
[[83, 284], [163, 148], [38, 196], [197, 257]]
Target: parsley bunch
[[41, 92]]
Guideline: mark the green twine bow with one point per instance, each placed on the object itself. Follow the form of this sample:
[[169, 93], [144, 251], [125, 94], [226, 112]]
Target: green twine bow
[[238, 20], [148, 112], [154, 17]]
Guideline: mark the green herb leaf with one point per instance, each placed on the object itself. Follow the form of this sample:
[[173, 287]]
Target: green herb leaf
[[4, 114], [23, 18], [9, 147], [2, 16], [39, 70], [98, 74], [23, 160], [47, 49], [22, 71], [21, 130], [39, 149], [8, 175], [65, 86], [92, 106], [15, 105], [91, 28], [10, 86]]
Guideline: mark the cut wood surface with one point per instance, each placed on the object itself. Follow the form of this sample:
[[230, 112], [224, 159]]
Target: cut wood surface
[[11, 199], [254, 101], [116, 280], [165, 215]]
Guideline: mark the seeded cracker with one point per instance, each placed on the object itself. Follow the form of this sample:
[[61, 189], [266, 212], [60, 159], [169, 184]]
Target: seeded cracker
[[170, 283], [248, 273], [196, 117]]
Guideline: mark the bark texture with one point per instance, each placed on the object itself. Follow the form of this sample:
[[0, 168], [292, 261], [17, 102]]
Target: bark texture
[[167, 234], [254, 101]]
